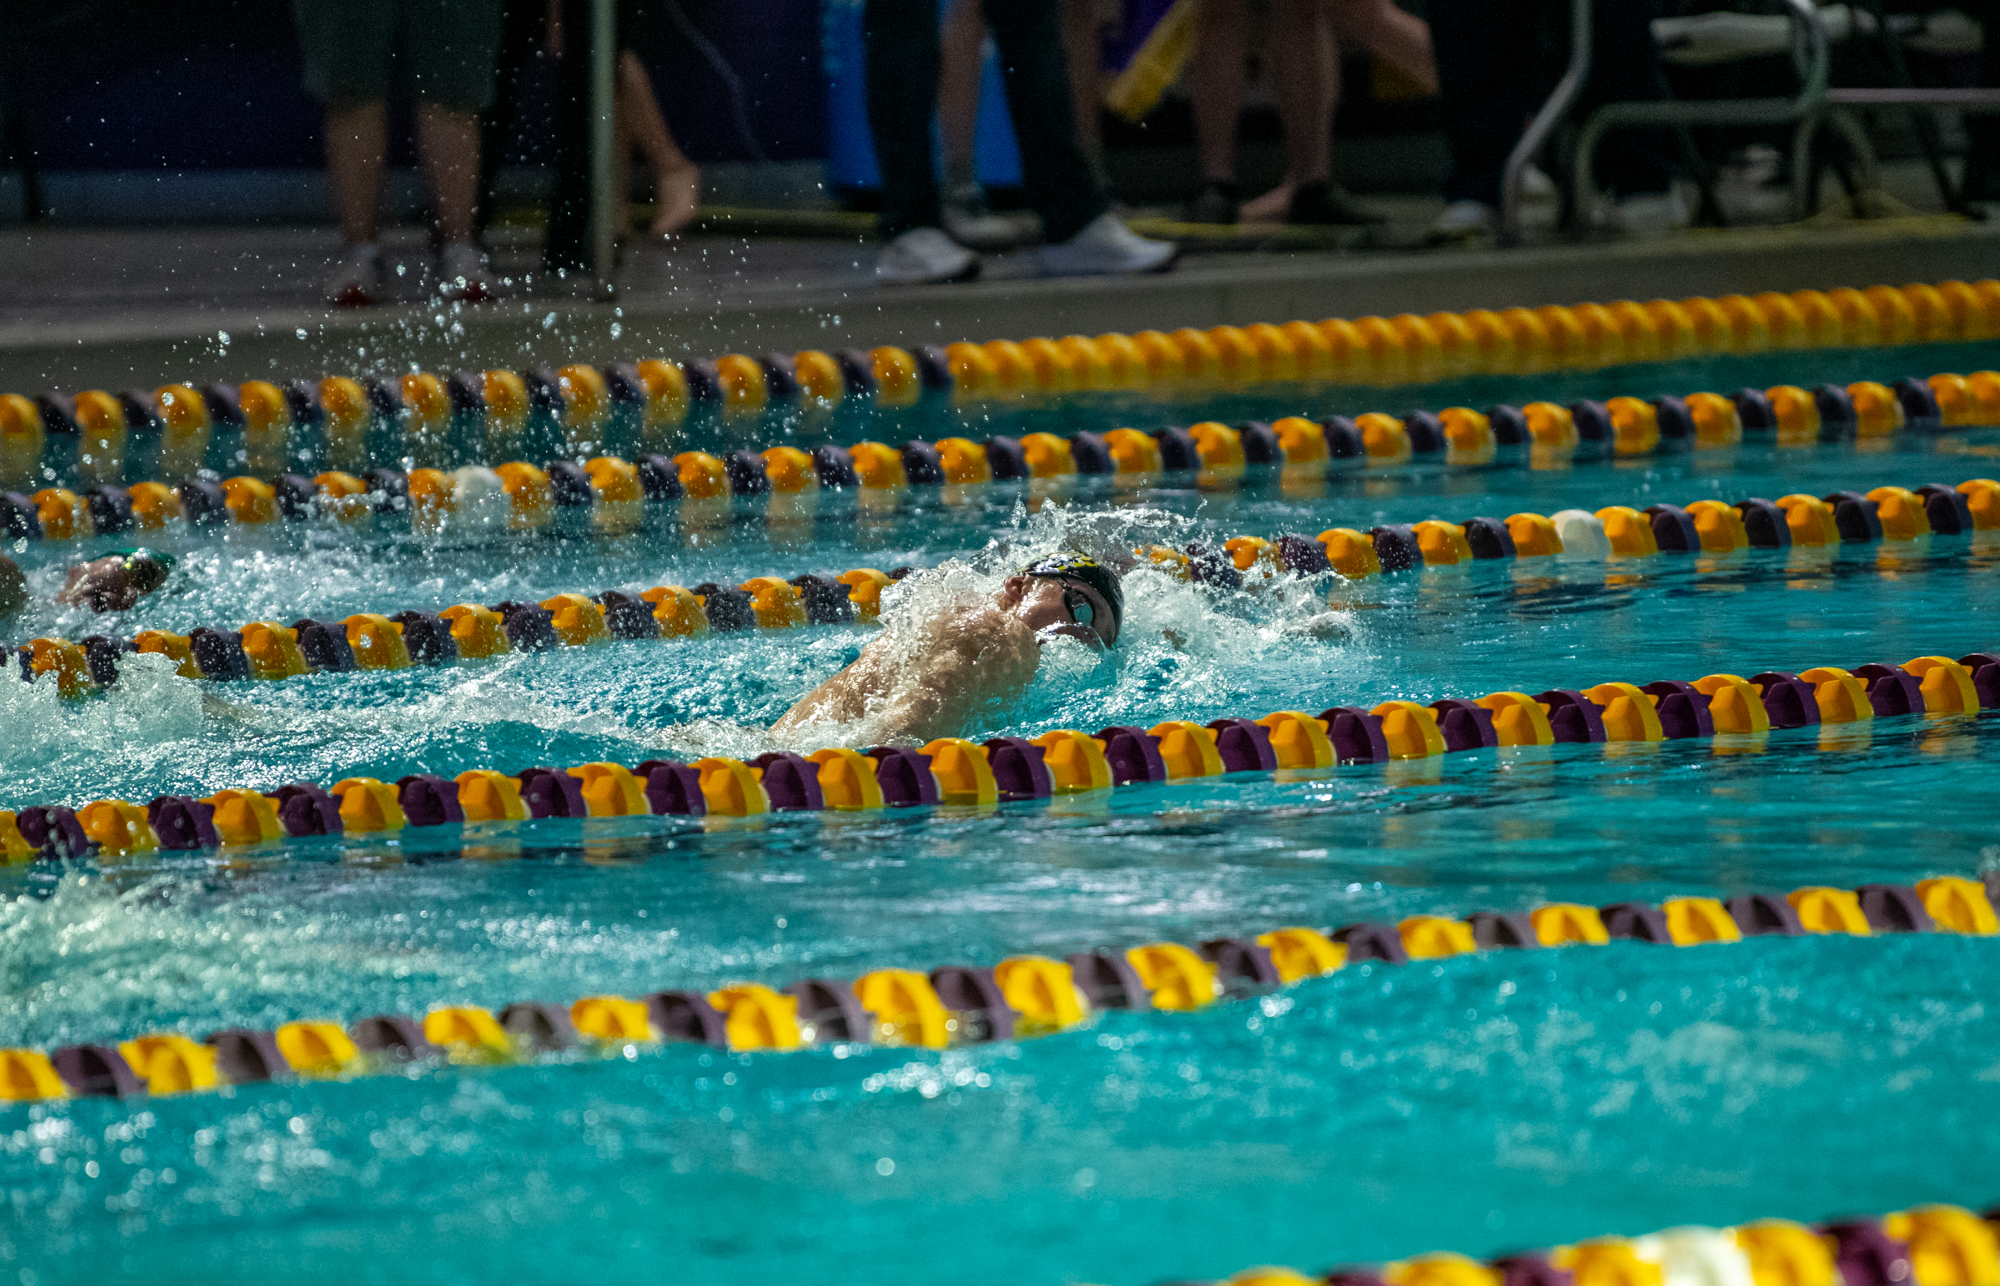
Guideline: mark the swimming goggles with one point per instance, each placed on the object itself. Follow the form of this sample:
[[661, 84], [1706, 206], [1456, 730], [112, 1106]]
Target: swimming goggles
[[1084, 611]]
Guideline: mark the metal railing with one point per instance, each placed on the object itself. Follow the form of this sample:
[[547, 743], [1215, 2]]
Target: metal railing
[[1815, 104], [1961, 100], [1552, 113], [1808, 107], [1811, 54]]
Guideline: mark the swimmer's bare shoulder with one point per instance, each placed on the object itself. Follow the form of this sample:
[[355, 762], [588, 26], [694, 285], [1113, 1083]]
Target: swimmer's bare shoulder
[[987, 647]]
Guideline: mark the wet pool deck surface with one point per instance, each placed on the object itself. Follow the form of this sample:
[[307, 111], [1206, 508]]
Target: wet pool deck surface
[[122, 308]]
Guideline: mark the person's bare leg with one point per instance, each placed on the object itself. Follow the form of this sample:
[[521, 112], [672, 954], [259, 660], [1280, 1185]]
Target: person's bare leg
[[355, 142], [1216, 88], [961, 52], [1305, 70], [1079, 19], [1391, 34], [621, 154], [675, 178], [448, 147]]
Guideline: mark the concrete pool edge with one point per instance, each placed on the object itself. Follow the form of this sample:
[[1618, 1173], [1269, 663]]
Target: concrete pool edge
[[561, 329]]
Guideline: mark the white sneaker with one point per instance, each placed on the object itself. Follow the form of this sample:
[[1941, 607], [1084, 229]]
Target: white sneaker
[[357, 279], [970, 223], [1653, 214], [463, 274], [922, 256], [1106, 246], [1536, 185], [1464, 221]]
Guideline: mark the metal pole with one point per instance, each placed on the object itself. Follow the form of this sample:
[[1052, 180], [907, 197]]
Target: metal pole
[[1546, 120], [606, 208]]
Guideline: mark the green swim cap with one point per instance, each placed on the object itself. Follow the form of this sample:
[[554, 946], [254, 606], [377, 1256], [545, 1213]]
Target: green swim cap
[[1084, 568]]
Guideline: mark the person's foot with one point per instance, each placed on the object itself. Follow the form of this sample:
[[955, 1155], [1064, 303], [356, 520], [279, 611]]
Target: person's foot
[[677, 196], [462, 274], [923, 256], [1215, 203], [1536, 185], [357, 279], [1106, 246], [1328, 204], [1270, 207], [970, 223], [1463, 221], [1649, 214]]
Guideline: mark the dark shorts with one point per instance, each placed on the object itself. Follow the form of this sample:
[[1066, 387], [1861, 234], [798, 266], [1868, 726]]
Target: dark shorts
[[361, 51]]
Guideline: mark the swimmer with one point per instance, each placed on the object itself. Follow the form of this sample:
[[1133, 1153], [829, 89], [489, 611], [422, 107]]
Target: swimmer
[[13, 587], [926, 682], [116, 582]]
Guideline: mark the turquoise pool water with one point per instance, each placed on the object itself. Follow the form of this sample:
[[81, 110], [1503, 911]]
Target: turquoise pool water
[[1496, 1102], [1476, 1104]]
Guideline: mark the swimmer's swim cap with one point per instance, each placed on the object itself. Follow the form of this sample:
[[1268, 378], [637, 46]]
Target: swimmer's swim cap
[[145, 568], [1082, 567]]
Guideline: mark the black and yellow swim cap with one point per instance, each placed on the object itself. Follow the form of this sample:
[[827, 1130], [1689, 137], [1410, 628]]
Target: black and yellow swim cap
[[1086, 570]]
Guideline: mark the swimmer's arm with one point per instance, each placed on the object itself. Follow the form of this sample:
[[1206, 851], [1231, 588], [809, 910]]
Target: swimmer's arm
[[841, 699], [100, 585], [902, 695], [69, 592], [928, 692], [932, 702], [1327, 626], [849, 695], [985, 655], [120, 594]]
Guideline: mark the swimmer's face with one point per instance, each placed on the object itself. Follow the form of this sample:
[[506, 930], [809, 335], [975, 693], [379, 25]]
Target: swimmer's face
[[1049, 605]]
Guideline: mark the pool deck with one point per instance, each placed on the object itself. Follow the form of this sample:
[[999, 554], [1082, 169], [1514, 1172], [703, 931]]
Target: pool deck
[[136, 308]]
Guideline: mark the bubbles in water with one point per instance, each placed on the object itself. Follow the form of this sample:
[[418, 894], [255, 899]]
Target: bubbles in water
[[40, 729], [91, 962], [479, 500]]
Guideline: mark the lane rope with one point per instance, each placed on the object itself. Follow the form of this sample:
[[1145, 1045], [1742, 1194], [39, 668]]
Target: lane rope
[[1393, 351], [1934, 1245], [611, 495], [1021, 997], [954, 771], [398, 640]]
